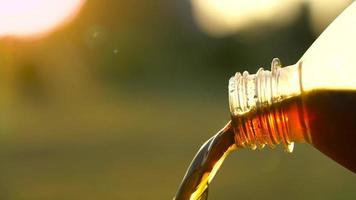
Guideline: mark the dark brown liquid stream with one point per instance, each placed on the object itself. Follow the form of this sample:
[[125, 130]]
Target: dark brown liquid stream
[[324, 118], [205, 164]]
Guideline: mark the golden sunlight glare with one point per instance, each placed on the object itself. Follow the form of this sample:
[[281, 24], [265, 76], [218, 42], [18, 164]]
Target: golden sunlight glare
[[224, 17], [221, 17], [33, 18], [324, 12]]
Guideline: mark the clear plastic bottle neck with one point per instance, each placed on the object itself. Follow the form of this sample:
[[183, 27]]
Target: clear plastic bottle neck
[[255, 94]]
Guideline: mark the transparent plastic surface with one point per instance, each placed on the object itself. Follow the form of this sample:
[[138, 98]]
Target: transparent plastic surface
[[330, 63], [313, 101]]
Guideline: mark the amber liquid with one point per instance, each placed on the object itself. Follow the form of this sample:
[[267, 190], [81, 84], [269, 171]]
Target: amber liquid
[[205, 164], [324, 118], [331, 119]]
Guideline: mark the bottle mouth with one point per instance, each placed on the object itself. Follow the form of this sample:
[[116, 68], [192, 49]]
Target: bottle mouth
[[242, 93], [251, 93], [248, 91]]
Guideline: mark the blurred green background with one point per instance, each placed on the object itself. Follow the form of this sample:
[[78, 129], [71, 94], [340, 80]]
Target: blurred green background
[[115, 104]]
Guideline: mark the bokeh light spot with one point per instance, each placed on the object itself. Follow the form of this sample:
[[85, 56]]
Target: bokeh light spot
[[33, 18]]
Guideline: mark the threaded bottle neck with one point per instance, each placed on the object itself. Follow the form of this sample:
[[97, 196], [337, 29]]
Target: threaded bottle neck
[[257, 122]]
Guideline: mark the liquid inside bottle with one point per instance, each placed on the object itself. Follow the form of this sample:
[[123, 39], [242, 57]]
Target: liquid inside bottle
[[271, 108], [324, 118], [330, 116]]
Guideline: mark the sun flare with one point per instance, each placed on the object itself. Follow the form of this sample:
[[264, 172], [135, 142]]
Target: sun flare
[[31, 18]]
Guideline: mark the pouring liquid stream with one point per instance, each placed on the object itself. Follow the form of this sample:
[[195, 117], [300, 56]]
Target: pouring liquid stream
[[205, 165]]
